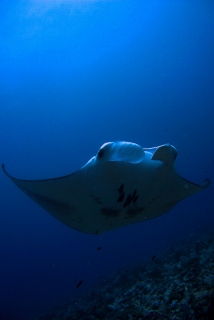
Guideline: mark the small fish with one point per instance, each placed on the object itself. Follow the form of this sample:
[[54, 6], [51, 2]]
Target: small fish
[[79, 284], [99, 248], [153, 258]]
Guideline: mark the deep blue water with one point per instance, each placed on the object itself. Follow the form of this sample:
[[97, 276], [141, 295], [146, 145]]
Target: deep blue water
[[74, 75]]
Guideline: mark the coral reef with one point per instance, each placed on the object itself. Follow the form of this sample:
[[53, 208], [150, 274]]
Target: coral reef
[[178, 284]]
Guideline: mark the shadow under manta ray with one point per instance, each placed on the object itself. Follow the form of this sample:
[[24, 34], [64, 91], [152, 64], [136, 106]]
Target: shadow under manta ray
[[123, 184]]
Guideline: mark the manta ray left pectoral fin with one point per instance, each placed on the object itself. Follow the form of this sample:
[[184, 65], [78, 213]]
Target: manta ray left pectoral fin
[[165, 153], [52, 194]]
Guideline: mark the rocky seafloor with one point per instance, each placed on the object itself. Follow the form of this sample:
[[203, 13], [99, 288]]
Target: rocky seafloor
[[178, 284]]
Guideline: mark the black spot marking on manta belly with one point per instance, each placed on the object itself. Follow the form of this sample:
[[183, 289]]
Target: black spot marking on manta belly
[[110, 212], [134, 194], [131, 198], [121, 197], [135, 198], [128, 200], [121, 188]]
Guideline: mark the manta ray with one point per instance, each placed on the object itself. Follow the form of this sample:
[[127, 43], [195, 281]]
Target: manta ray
[[121, 185]]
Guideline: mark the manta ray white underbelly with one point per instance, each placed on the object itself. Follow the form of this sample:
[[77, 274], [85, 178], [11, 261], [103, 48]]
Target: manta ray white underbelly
[[123, 184]]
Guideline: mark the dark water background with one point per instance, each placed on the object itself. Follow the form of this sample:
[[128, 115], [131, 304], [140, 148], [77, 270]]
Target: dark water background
[[74, 75]]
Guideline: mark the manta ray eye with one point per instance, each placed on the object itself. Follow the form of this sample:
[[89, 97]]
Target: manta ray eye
[[100, 153]]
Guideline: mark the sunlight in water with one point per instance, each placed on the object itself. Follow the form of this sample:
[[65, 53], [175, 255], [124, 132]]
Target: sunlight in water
[[41, 7]]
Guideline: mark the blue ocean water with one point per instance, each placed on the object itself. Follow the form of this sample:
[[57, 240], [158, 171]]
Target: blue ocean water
[[74, 75]]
